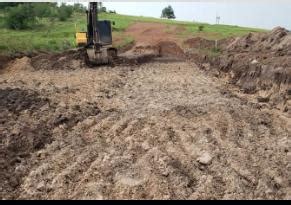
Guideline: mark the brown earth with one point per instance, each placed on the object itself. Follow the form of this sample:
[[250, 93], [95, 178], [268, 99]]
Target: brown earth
[[155, 40], [3, 61], [152, 33], [155, 130], [259, 64]]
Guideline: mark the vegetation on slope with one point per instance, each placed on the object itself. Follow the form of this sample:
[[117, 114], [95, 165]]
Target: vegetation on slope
[[55, 35]]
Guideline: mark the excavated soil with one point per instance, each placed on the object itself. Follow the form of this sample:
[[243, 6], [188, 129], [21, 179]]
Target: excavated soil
[[147, 130], [152, 33], [259, 63], [3, 61], [158, 130]]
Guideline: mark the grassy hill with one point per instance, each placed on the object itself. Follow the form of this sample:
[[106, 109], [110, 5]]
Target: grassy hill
[[57, 36]]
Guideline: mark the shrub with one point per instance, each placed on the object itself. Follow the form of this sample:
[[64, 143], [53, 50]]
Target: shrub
[[20, 17], [79, 8], [64, 12], [43, 9], [5, 5], [200, 28]]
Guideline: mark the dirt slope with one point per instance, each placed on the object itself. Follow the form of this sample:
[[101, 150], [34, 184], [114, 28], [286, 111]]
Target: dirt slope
[[258, 63], [152, 33], [155, 131]]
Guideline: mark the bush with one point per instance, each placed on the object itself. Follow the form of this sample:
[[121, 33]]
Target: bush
[[200, 28], [5, 5], [79, 8], [65, 12], [2, 22], [20, 17], [44, 10], [103, 9]]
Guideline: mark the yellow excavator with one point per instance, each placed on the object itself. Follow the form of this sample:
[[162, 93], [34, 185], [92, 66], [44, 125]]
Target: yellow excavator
[[97, 41]]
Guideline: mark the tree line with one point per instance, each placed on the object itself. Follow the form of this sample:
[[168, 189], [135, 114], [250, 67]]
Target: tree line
[[18, 15]]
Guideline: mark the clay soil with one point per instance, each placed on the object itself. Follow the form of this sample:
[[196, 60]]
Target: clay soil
[[159, 129]]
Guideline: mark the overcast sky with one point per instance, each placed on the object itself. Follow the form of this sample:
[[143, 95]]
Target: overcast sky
[[262, 15]]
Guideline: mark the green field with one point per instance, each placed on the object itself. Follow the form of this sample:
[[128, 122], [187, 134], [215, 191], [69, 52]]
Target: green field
[[57, 36]]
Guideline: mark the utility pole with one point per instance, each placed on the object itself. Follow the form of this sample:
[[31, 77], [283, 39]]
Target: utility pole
[[217, 18]]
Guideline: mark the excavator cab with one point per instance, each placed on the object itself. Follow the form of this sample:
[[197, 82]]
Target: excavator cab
[[98, 38]]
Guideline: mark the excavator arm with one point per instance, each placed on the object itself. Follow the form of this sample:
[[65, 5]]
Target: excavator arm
[[98, 45]]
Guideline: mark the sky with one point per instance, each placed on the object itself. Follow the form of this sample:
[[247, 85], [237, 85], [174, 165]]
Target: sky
[[264, 14]]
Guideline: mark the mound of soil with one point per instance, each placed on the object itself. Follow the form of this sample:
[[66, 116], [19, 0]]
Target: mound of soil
[[278, 40], [202, 43], [170, 49], [4, 60], [143, 53], [259, 63], [199, 43], [70, 60]]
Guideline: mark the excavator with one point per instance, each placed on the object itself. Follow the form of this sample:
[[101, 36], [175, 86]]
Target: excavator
[[97, 41]]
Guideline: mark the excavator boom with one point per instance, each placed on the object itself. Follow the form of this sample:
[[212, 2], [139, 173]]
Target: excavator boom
[[98, 44]]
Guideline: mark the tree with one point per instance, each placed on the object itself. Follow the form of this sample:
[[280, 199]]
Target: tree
[[168, 12], [65, 12], [20, 17], [100, 7], [44, 10], [80, 8], [200, 28], [4, 5]]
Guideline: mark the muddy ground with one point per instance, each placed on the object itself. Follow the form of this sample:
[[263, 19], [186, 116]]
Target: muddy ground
[[155, 129]]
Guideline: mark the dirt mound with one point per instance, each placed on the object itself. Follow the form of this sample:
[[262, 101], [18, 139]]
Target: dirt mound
[[144, 53], [18, 64], [199, 43], [152, 33], [70, 60], [278, 40], [74, 59], [4, 60], [259, 63], [205, 44], [170, 49]]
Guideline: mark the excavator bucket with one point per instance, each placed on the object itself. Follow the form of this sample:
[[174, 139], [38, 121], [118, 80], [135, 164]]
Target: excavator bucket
[[102, 52], [98, 46], [101, 56]]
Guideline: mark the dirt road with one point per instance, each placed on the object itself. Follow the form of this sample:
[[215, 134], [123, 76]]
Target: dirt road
[[156, 131]]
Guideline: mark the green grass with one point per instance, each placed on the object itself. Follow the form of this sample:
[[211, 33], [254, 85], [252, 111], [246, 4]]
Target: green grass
[[209, 31], [57, 36]]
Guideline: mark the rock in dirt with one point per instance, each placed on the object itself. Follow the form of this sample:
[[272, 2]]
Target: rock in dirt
[[205, 159]]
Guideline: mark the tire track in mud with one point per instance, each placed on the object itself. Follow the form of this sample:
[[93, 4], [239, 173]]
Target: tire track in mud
[[157, 121]]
